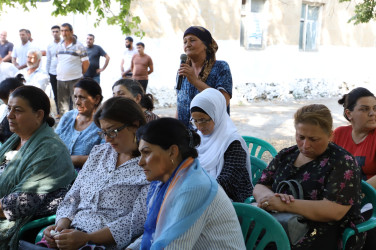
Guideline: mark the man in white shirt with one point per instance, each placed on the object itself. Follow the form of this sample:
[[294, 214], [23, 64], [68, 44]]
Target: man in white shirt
[[72, 63], [6, 70], [52, 60], [19, 53], [130, 51], [33, 74]]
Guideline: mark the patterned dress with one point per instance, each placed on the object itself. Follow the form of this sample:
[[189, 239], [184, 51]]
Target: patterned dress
[[333, 175]]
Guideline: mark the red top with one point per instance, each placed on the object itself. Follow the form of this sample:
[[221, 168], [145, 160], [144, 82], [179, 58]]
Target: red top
[[364, 152]]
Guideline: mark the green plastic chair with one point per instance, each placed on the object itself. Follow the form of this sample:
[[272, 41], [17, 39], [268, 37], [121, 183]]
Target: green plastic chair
[[259, 228], [369, 197], [36, 224], [257, 166], [259, 143]]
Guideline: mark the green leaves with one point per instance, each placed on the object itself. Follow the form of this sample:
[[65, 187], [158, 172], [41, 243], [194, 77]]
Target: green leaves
[[364, 11], [116, 12]]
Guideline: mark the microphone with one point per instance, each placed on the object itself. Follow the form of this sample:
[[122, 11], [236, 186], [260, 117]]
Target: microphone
[[183, 59]]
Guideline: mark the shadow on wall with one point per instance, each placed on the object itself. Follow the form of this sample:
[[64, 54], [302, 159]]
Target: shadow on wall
[[221, 18]]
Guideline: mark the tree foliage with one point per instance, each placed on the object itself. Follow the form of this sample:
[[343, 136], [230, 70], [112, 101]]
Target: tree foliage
[[364, 11], [122, 17]]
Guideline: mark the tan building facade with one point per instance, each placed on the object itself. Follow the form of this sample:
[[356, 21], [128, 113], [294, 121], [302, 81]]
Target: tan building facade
[[259, 23]]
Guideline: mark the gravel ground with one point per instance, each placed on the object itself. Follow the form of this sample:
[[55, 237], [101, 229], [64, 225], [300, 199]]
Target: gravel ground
[[271, 121]]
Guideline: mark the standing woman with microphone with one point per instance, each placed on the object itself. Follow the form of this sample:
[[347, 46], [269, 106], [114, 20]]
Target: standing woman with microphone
[[201, 71]]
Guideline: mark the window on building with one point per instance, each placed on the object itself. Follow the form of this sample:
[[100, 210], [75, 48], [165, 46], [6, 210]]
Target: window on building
[[252, 24], [309, 27]]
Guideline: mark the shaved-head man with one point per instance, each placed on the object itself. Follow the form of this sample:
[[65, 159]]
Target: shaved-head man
[[6, 47]]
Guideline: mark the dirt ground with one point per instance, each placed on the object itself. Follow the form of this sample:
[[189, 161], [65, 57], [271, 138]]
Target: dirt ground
[[271, 121]]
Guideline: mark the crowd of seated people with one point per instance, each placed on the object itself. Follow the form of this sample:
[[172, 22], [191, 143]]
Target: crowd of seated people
[[150, 183], [111, 205]]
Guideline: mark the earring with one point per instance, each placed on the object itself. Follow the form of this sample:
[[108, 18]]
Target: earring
[[135, 139], [172, 161]]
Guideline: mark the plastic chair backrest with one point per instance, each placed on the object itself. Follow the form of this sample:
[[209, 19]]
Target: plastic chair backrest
[[259, 144], [259, 228], [39, 223], [257, 166], [369, 197]]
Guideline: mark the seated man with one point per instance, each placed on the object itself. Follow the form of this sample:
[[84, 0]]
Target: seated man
[[34, 74]]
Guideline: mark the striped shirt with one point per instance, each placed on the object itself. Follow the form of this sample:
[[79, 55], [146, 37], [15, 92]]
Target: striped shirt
[[217, 228], [69, 60]]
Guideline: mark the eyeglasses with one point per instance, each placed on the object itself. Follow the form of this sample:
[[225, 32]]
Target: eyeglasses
[[195, 122], [111, 133]]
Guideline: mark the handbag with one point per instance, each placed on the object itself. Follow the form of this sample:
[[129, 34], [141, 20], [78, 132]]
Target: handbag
[[294, 224]]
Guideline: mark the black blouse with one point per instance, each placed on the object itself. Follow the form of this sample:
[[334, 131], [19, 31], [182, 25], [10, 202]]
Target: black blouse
[[234, 177]]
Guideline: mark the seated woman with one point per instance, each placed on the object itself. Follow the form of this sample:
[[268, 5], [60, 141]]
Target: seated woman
[[6, 88], [107, 202], [76, 128], [222, 152], [187, 209], [132, 89], [329, 177], [359, 139], [35, 168]]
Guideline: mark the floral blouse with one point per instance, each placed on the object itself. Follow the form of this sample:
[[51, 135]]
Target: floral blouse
[[333, 175], [104, 195]]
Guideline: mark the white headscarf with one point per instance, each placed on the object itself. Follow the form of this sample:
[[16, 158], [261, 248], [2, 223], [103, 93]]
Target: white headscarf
[[213, 147]]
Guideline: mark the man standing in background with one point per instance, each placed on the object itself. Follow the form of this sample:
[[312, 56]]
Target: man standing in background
[[19, 53], [142, 66], [6, 47], [128, 54], [72, 63], [95, 52], [52, 60]]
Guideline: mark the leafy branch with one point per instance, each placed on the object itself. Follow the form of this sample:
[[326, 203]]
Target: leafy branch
[[364, 11], [122, 17]]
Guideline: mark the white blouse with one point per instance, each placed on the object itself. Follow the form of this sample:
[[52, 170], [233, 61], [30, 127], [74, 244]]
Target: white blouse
[[106, 195]]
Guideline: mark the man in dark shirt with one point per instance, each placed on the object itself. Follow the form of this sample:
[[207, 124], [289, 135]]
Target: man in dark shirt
[[6, 47], [95, 52]]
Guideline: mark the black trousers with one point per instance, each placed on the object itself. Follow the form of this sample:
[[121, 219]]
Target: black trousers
[[144, 83], [53, 82]]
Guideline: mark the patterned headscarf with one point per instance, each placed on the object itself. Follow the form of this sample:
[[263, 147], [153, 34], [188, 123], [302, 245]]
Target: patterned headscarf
[[211, 48]]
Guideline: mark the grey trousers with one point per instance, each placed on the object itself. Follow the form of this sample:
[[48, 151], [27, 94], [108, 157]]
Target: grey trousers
[[65, 95]]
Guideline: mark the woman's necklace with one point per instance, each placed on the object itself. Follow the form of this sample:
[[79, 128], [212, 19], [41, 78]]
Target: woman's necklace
[[359, 137]]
